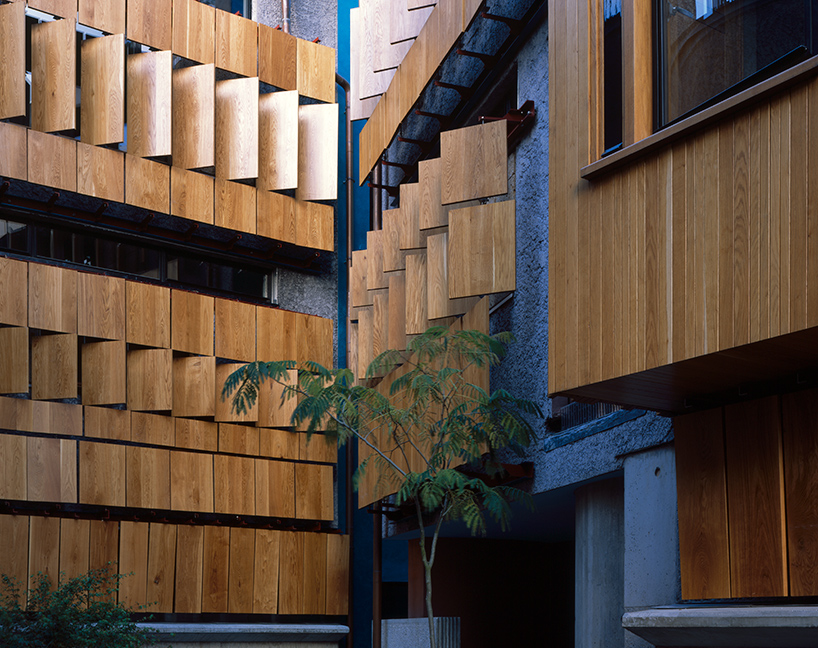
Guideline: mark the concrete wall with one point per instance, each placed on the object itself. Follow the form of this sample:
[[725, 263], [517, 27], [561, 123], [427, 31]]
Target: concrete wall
[[309, 19]]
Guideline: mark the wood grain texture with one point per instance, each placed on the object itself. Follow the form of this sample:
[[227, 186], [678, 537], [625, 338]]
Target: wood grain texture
[[194, 116], [13, 98], [149, 22], [385, 55], [291, 573], [106, 15], [431, 211], [404, 24], [234, 482], [411, 238], [148, 478], [277, 58], [317, 146], [315, 226], [149, 103], [52, 298], [147, 184], [133, 560], [365, 344], [237, 120], [14, 141], [14, 360], [216, 569], [313, 492], [359, 108], [276, 216], [235, 330], [161, 566], [437, 281], [240, 580], [54, 366], [189, 569], [197, 435], [107, 423], [224, 407], [100, 172], [52, 161], [13, 464], [238, 439], [102, 474], [103, 544], [474, 162], [315, 573], [396, 338], [337, 574], [14, 287], [276, 334], [75, 536], [274, 410], [62, 8], [53, 75], [194, 31], [14, 535], [192, 322], [194, 386], [235, 206], [44, 547], [320, 448], [360, 295], [103, 312], [701, 487], [380, 322], [278, 140], [265, 572], [150, 386], [375, 79], [191, 195], [392, 258], [236, 44], [314, 340], [103, 373], [102, 72], [375, 277], [191, 481], [281, 444], [154, 429], [51, 470], [315, 76], [148, 314]]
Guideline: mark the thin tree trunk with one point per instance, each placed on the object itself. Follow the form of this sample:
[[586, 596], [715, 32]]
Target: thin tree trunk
[[428, 562]]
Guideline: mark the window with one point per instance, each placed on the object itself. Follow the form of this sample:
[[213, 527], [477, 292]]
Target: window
[[710, 49], [612, 42]]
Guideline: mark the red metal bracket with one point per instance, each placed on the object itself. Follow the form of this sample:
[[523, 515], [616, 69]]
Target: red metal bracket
[[518, 121]]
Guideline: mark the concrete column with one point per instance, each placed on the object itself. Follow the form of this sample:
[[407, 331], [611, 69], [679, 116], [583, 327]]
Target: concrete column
[[599, 565]]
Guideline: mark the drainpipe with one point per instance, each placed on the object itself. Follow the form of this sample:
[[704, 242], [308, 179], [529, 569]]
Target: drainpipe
[[375, 207], [377, 558], [285, 13]]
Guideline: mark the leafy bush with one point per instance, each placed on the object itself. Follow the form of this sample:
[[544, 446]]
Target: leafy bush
[[80, 612]]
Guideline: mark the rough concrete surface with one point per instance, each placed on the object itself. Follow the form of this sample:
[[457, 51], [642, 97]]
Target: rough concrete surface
[[414, 633], [309, 19]]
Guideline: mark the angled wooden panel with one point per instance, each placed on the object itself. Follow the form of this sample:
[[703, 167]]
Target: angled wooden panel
[[103, 306], [54, 366], [276, 216], [235, 481], [373, 82], [106, 15], [51, 470], [48, 418], [235, 330], [224, 407], [277, 54], [314, 226], [702, 491], [107, 423], [235, 206], [104, 544], [189, 569], [149, 22], [52, 161], [102, 96], [405, 24], [14, 287], [320, 448], [75, 538], [14, 360], [52, 298], [152, 428], [392, 257], [194, 116], [13, 464], [103, 373], [316, 71], [53, 75], [276, 334], [275, 487], [282, 444], [482, 250], [216, 569], [236, 44], [148, 314], [133, 560], [14, 143], [396, 337], [278, 140], [314, 492], [366, 326], [314, 339], [197, 435], [191, 195], [755, 496], [44, 547], [238, 439], [194, 386], [359, 108], [474, 162], [161, 566], [192, 322], [315, 573], [237, 129], [240, 581], [360, 295], [380, 322], [148, 478], [150, 386], [291, 569], [384, 55], [375, 278], [273, 409], [149, 97], [13, 98], [194, 30], [437, 280], [102, 474], [432, 214], [337, 574], [62, 8], [147, 184], [191, 481], [265, 574], [317, 152], [100, 172]]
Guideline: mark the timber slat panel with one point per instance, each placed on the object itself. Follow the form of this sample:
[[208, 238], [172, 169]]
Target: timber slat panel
[[148, 478], [102, 96], [224, 407], [103, 373], [75, 536], [161, 566], [52, 160], [375, 278], [405, 24], [474, 162], [313, 492], [14, 364], [234, 479], [237, 123], [44, 547], [238, 439], [276, 216], [197, 435], [282, 444], [278, 140], [189, 568], [102, 474], [194, 30], [216, 568], [317, 146], [396, 338], [360, 295], [290, 588], [337, 574], [410, 234], [13, 464], [53, 76], [103, 306], [14, 536], [51, 470], [236, 44], [107, 16], [314, 340], [702, 493], [275, 487], [359, 108], [318, 447], [154, 429], [149, 22], [194, 116], [14, 287], [235, 207], [315, 573], [13, 98], [314, 225], [107, 423], [191, 481], [148, 314], [194, 386], [54, 366], [265, 574], [432, 214], [100, 172], [147, 184], [273, 410], [52, 298], [365, 346], [103, 544], [192, 322], [315, 76], [277, 54], [191, 195], [437, 278], [14, 142], [235, 324], [240, 580], [392, 257], [149, 103], [380, 322], [150, 384], [133, 560], [276, 334]]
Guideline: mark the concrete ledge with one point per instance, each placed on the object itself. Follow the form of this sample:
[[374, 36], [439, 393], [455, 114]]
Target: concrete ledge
[[247, 632], [786, 626]]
